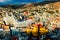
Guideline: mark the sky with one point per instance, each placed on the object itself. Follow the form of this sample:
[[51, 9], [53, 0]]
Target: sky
[[18, 1]]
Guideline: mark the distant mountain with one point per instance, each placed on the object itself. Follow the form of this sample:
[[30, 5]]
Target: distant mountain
[[44, 2], [14, 6], [40, 3]]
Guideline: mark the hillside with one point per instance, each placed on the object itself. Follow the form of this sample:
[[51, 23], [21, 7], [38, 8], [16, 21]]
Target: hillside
[[55, 4]]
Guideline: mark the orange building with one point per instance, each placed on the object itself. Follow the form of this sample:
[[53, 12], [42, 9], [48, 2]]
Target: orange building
[[5, 27]]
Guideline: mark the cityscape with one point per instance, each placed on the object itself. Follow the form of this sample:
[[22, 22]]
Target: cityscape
[[32, 21]]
